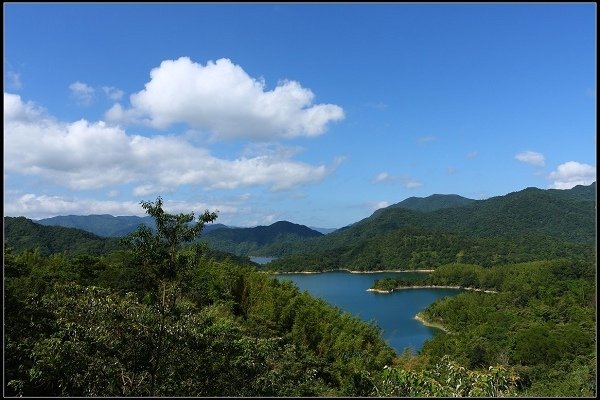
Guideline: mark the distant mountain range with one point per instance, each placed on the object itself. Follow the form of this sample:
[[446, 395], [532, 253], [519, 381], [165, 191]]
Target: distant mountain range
[[531, 222], [520, 226], [106, 225]]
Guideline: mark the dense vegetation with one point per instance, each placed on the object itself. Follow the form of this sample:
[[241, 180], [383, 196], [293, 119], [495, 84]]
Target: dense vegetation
[[273, 240], [541, 322], [102, 225], [160, 314], [106, 225], [21, 233], [523, 226], [163, 319], [433, 202]]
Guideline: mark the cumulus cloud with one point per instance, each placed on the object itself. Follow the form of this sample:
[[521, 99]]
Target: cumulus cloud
[[221, 98], [84, 155], [17, 110], [82, 93], [44, 206], [113, 93], [571, 174], [531, 157]]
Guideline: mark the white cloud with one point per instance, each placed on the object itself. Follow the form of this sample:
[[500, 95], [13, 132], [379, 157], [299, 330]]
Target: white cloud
[[44, 206], [83, 155], [16, 110], [531, 157], [221, 98], [145, 190], [113, 93], [571, 174], [83, 94], [382, 177], [410, 183]]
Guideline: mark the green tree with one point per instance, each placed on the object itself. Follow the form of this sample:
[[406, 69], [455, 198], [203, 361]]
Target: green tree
[[159, 255]]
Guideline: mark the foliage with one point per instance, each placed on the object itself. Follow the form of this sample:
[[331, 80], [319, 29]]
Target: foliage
[[523, 226], [446, 379], [163, 319], [21, 233], [169, 317], [272, 240]]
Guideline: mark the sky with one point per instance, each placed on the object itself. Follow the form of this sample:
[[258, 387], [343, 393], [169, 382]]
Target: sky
[[317, 114]]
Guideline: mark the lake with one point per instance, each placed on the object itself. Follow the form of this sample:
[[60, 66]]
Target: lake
[[393, 312]]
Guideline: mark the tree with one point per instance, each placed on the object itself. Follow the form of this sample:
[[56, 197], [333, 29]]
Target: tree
[[159, 256]]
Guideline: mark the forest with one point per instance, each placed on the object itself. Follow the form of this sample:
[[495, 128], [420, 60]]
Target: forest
[[538, 317], [160, 313]]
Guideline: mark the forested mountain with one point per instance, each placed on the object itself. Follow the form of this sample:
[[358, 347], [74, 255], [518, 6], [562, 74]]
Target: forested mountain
[[21, 234], [433, 202], [106, 225], [161, 318], [538, 317], [517, 227], [273, 240], [561, 214], [102, 225], [165, 317]]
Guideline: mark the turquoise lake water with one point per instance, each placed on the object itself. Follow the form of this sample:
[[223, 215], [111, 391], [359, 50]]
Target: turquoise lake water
[[393, 312]]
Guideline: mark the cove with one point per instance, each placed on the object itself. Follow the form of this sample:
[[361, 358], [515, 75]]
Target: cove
[[393, 312]]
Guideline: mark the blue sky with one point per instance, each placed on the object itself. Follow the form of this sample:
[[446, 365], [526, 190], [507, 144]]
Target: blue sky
[[313, 113]]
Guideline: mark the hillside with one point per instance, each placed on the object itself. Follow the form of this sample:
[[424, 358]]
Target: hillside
[[21, 234], [433, 202], [517, 227], [272, 240], [106, 225]]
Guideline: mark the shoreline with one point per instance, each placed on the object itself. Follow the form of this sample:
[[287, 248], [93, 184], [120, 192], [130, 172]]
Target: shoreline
[[350, 271], [419, 317], [431, 287]]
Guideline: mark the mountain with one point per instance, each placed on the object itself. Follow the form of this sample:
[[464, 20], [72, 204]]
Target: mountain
[[106, 225], [272, 240], [529, 224], [433, 202], [21, 233], [102, 225]]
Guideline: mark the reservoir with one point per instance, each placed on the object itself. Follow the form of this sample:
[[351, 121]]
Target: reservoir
[[393, 312]]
